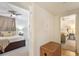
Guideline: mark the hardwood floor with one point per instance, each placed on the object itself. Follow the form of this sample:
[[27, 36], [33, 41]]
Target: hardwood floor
[[77, 54], [69, 45], [65, 52]]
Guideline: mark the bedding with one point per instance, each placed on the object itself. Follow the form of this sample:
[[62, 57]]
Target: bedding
[[3, 44], [12, 38], [5, 41]]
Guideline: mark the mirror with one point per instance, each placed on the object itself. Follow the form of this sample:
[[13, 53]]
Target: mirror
[[68, 40]]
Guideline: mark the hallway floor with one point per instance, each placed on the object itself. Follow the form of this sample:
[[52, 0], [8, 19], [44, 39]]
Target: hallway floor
[[69, 45], [67, 53]]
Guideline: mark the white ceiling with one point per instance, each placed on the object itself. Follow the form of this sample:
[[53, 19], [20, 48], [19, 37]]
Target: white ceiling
[[24, 5], [53, 7], [59, 7], [5, 7]]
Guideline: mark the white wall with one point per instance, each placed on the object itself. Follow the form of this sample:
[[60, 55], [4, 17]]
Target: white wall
[[56, 29], [45, 28]]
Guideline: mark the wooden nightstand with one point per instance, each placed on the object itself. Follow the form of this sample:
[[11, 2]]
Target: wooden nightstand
[[50, 49]]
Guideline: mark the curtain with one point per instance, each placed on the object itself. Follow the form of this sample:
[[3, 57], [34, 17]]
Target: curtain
[[7, 24]]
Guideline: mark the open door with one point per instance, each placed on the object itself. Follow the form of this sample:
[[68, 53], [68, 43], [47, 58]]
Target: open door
[[68, 40]]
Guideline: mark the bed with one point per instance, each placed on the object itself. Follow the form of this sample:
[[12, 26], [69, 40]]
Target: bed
[[11, 43]]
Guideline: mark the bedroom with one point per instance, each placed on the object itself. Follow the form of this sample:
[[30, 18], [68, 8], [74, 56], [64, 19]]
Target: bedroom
[[13, 30]]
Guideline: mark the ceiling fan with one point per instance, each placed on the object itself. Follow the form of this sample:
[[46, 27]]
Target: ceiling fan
[[11, 11], [14, 12]]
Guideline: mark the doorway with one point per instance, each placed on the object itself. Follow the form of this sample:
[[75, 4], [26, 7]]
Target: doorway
[[68, 40]]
